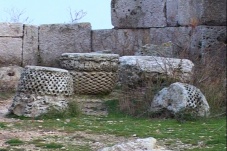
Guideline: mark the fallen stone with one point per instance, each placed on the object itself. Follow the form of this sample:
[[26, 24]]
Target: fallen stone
[[180, 97]]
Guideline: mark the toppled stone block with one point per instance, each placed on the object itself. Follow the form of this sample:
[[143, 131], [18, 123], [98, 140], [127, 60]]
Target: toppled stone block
[[138, 13], [55, 39], [41, 89], [180, 97], [11, 30], [30, 45], [9, 77], [10, 51], [134, 69], [93, 73], [121, 41], [163, 50]]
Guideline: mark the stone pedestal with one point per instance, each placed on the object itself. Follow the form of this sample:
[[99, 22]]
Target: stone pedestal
[[41, 88], [93, 73]]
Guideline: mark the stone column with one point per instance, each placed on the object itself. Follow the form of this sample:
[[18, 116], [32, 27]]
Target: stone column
[[41, 88]]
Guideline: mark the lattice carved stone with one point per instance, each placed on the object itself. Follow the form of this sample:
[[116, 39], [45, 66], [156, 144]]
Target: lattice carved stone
[[41, 88], [93, 73]]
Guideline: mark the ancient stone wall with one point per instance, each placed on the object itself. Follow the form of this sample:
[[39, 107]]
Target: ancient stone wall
[[193, 25]]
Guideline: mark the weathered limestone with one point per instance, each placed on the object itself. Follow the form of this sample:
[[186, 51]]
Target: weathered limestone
[[121, 41], [9, 77], [55, 39], [30, 45], [40, 89], [180, 97], [11, 30], [179, 36], [92, 73], [138, 13], [10, 51], [132, 69], [145, 144], [163, 50]]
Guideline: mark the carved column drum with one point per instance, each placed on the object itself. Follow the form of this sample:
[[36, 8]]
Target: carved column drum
[[41, 88], [93, 73]]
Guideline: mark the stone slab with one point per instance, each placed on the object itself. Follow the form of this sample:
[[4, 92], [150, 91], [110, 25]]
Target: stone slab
[[10, 51], [138, 13], [11, 30], [55, 39], [171, 13], [121, 41], [30, 45]]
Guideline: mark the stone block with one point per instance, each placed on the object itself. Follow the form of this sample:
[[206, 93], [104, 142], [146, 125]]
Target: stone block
[[121, 41], [197, 12], [55, 39], [138, 13], [171, 13], [10, 51], [11, 30], [30, 45], [179, 36]]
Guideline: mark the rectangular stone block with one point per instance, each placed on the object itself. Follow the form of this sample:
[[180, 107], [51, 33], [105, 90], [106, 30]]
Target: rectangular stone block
[[30, 45], [10, 51], [198, 12], [179, 36], [11, 30], [138, 13], [55, 39], [121, 41], [171, 13]]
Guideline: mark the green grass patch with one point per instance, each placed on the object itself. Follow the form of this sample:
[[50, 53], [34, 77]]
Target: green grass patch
[[14, 142], [2, 125]]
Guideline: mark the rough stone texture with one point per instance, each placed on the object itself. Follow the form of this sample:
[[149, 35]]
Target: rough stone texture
[[41, 88], [11, 30], [10, 51], [163, 50], [55, 39], [92, 106], [138, 13], [196, 12], [179, 36], [145, 144], [9, 77], [132, 69], [30, 45], [210, 40], [92, 73], [121, 41], [180, 97]]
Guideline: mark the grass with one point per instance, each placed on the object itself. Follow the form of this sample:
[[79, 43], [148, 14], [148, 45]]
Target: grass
[[14, 142]]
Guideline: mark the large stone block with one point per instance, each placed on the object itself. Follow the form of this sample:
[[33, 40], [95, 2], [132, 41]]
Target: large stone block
[[121, 41], [138, 13], [11, 30], [10, 51], [196, 12], [55, 39], [179, 36], [30, 45]]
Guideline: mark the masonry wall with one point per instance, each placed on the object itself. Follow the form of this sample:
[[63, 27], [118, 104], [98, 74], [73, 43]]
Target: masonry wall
[[193, 25]]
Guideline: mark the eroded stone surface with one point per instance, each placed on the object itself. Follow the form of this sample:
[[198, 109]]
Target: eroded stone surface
[[30, 45], [180, 97], [138, 13], [11, 30], [40, 89], [121, 41], [9, 77], [132, 69], [55, 39], [10, 51]]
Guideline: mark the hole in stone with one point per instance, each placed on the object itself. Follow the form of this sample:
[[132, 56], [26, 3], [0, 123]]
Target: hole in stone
[[11, 73]]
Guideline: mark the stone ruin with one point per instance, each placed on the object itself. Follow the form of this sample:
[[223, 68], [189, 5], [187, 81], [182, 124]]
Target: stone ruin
[[180, 97], [41, 88], [93, 73]]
